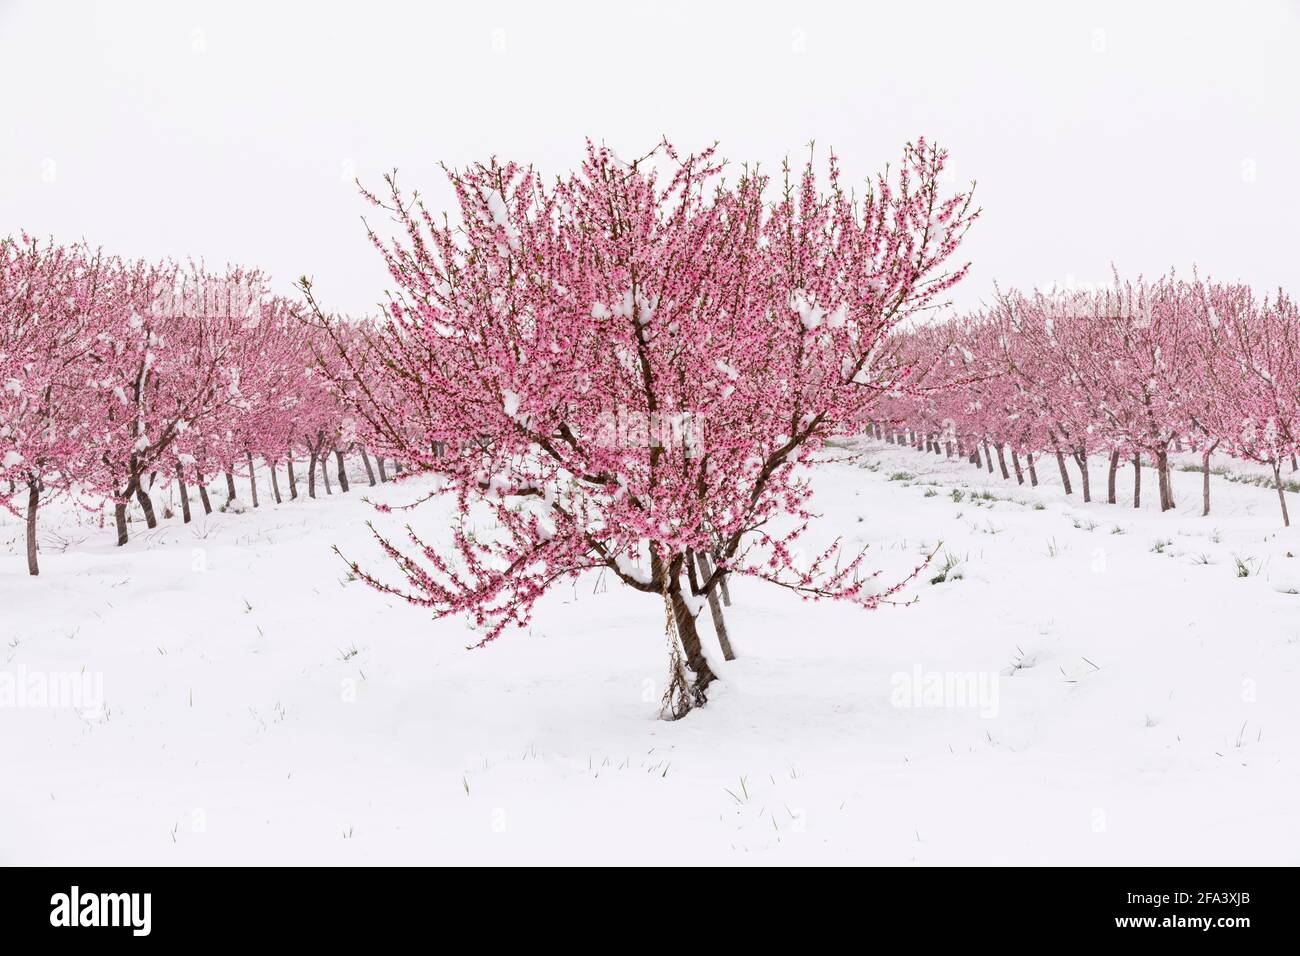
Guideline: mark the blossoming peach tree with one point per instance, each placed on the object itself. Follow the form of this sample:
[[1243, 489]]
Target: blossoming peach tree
[[632, 368]]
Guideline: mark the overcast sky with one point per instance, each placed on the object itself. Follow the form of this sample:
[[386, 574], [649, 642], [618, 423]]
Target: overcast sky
[[1150, 135]]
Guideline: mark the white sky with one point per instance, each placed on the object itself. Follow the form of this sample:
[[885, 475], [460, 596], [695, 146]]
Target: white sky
[[1150, 134]]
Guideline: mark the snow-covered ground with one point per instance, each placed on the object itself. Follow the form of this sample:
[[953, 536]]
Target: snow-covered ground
[[1093, 684]]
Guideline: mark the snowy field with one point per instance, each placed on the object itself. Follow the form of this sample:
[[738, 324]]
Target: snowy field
[[1092, 684]]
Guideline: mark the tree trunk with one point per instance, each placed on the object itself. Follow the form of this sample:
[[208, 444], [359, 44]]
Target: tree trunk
[[230, 486], [1081, 460], [203, 492], [33, 503], [185, 492], [988, 456], [1002, 463], [691, 645], [119, 517], [383, 475], [146, 505], [1281, 497], [370, 472], [1033, 472], [1065, 475], [311, 476], [1015, 463], [275, 485], [722, 582], [343, 474], [1137, 479], [252, 478], [293, 479], [325, 473], [1205, 482], [1166, 491], [1110, 478], [715, 609]]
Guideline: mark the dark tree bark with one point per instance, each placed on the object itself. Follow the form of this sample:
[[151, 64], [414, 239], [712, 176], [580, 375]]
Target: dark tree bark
[[119, 518], [185, 492], [230, 486], [1205, 478], [370, 472], [1015, 463], [1281, 497], [33, 503], [715, 609], [1081, 460], [1205, 484], [343, 474], [293, 479], [1137, 479], [203, 492], [383, 475], [1110, 478], [252, 478], [722, 581], [275, 484], [311, 476], [1033, 472], [1065, 475], [691, 645], [1002, 463], [1166, 489], [146, 505]]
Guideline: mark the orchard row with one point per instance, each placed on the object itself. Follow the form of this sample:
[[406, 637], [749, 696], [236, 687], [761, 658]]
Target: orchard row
[[119, 377], [1130, 373]]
